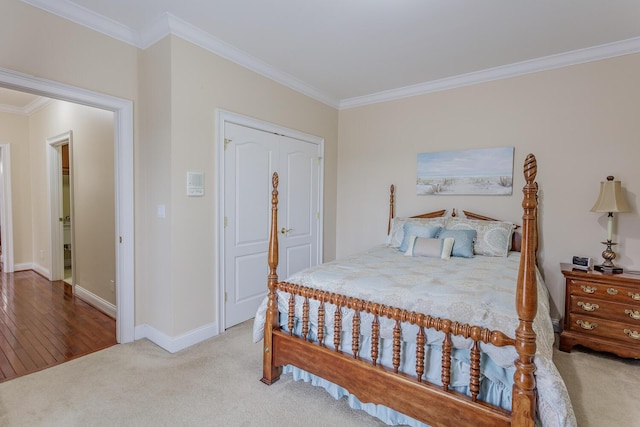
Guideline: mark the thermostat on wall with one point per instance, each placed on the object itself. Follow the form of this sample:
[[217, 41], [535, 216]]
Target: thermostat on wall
[[195, 184]]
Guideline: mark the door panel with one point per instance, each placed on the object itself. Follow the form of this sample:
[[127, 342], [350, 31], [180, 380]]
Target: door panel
[[299, 170], [249, 161], [251, 157], [298, 258]]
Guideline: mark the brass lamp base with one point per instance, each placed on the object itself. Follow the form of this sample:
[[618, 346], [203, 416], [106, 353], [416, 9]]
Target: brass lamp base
[[609, 255]]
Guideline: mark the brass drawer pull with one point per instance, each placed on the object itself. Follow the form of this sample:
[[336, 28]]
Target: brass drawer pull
[[634, 314], [612, 291], [634, 296], [588, 306], [587, 325], [632, 334], [589, 289]]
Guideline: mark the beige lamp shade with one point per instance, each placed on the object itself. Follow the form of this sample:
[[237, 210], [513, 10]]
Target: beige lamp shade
[[611, 198]]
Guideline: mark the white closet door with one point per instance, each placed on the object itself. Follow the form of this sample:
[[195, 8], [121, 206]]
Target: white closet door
[[251, 157], [298, 213]]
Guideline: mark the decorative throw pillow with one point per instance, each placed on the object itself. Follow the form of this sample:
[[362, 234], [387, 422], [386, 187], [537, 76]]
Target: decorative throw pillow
[[418, 231], [493, 237], [463, 241], [394, 239], [430, 247]]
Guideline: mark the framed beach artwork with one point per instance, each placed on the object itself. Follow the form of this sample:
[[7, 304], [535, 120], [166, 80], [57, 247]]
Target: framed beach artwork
[[464, 172]]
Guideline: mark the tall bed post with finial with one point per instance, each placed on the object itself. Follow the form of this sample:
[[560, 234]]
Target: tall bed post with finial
[[524, 387], [270, 372]]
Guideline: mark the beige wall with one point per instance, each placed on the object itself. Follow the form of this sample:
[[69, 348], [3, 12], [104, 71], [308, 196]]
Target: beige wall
[[41, 44], [180, 86], [93, 214], [581, 122], [200, 83], [153, 286], [14, 130]]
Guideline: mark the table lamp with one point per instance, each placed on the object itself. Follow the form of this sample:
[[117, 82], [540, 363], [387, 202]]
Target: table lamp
[[610, 200]]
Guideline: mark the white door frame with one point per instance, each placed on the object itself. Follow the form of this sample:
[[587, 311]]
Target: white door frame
[[124, 186], [6, 223], [223, 117], [54, 170]]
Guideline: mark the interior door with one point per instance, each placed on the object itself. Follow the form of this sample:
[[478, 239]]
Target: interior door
[[251, 157], [298, 207]]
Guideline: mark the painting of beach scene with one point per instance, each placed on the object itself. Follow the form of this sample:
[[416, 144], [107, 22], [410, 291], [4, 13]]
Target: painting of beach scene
[[464, 172]]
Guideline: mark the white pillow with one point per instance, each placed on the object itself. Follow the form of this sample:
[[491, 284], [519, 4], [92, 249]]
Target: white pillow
[[430, 247], [394, 239], [493, 237]]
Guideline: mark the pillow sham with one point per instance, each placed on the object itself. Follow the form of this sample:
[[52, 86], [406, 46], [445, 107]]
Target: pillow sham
[[463, 241], [429, 247], [417, 230], [394, 239], [493, 237]]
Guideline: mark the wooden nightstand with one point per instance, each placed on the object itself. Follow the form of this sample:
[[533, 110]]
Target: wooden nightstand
[[602, 312]]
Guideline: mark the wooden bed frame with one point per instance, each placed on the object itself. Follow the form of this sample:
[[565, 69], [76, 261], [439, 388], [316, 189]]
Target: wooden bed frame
[[411, 395]]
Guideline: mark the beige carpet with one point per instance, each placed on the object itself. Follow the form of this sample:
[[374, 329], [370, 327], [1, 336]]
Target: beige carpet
[[216, 383]]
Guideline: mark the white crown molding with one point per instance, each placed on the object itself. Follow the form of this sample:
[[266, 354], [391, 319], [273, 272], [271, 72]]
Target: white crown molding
[[32, 107], [6, 108], [566, 59], [195, 35], [168, 24], [37, 105], [88, 18]]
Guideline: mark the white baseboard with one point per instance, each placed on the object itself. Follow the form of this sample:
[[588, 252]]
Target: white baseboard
[[41, 270], [90, 298], [32, 266], [23, 267], [175, 344]]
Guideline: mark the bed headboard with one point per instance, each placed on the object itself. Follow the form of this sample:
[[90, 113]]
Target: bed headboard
[[516, 239]]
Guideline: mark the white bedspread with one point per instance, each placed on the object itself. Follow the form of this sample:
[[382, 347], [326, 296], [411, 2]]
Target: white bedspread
[[479, 291]]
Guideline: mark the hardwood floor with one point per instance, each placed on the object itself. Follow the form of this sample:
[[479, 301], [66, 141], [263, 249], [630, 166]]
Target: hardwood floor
[[42, 326]]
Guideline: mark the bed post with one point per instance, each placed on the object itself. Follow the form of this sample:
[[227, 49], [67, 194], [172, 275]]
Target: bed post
[[271, 373], [392, 204], [524, 387]]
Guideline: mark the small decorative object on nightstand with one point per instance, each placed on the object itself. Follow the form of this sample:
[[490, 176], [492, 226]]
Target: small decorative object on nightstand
[[610, 200], [602, 312]]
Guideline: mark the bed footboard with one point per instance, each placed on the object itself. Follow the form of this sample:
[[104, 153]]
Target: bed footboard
[[364, 377], [367, 379]]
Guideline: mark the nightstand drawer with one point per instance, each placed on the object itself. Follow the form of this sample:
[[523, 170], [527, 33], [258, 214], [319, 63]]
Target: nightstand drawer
[[618, 331], [611, 292], [605, 309]]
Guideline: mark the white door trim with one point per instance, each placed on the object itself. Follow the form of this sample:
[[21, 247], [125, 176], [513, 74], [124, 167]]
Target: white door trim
[[7, 209], [54, 176], [123, 138], [223, 117]]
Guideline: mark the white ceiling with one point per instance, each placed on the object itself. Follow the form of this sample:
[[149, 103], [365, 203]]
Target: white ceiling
[[351, 52]]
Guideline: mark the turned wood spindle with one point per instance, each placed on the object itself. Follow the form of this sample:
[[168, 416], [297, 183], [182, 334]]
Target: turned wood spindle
[[474, 374], [446, 361], [375, 339], [355, 335], [321, 324], [337, 328], [305, 318], [292, 312], [420, 341], [397, 335]]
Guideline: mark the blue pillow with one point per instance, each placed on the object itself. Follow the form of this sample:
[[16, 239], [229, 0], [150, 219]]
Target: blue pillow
[[463, 241], [417, 230]]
